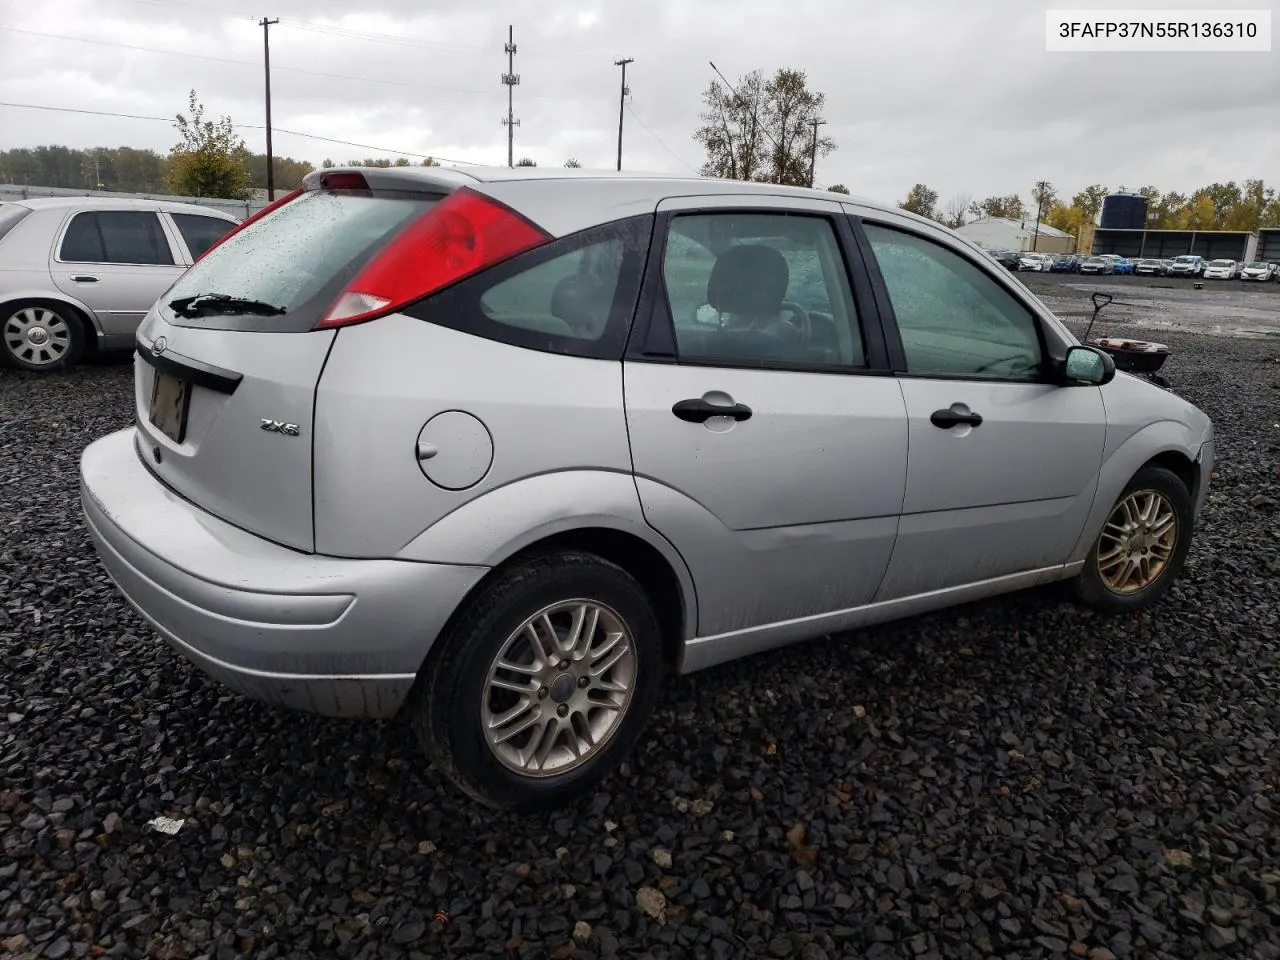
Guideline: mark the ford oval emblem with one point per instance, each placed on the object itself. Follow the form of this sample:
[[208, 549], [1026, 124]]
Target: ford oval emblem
[[159, 346]]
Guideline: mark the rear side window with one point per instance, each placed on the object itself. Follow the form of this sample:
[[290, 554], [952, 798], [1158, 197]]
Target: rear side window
[[10, 215], [575, 295], [116, 236], [200, 233], [298, 257]]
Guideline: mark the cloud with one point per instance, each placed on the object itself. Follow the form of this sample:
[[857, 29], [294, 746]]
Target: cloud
[[961, 96]]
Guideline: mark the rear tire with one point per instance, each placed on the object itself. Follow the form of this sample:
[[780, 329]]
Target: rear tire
[[40, 336], [1142, 546], [518, 722]]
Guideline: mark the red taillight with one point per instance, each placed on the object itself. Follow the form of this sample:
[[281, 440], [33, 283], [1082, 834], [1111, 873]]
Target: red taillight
[[460, 235], [253, 219]]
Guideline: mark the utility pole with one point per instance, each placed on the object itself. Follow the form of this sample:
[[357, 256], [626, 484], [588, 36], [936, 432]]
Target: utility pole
[[813, 148], [1040, 188], [266, 66], [510, 79], [622, 101]]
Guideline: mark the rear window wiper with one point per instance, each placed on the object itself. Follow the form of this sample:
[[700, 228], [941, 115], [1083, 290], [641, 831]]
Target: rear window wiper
[[207, 303]]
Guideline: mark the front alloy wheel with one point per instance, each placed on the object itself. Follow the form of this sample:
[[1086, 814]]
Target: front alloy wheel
[[1137, 542], [1142, 545]]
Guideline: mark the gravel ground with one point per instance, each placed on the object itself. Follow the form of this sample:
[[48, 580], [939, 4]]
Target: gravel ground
[[1222, 307], [1013, 778]]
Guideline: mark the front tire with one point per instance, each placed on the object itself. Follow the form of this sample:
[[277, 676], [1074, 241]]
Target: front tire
[[1142, 545], [40, 337], [543, 684]]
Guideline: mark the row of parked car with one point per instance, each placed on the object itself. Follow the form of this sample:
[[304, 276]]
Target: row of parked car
[[1187, 265]]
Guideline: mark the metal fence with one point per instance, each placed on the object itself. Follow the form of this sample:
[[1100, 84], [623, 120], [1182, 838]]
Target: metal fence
[[237, 208]]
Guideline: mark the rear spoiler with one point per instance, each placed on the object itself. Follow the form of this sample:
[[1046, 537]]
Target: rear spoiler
[[411, 179]]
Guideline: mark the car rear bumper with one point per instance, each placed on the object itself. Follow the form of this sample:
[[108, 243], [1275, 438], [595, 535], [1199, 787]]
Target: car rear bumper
[[322, 634]]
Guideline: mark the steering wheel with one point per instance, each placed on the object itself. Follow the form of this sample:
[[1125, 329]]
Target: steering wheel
[[802, 315]]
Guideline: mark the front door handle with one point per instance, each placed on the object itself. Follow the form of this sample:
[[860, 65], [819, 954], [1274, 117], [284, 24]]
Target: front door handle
[[700, 411], [954, 416], [83, 278]]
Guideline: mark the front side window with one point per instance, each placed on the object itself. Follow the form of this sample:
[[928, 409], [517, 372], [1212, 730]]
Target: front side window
[[116, 236], [953, 317], [199, 232], [762, 288]]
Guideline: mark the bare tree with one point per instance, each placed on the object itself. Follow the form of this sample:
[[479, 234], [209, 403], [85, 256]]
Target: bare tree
[[955, 212], [760, 129]]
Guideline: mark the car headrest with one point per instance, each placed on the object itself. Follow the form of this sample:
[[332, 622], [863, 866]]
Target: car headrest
[[750, 279]]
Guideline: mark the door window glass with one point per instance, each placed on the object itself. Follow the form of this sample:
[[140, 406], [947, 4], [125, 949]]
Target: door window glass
[[953, 317], [116, 236], [200, 233], [762, 288]]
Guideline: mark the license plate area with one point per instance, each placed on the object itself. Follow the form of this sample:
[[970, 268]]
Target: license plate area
[[170, 401]]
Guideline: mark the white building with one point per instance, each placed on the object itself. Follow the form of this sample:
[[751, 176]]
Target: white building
[[1000, 233]]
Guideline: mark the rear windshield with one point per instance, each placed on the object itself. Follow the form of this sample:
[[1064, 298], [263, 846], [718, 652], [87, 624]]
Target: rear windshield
[[297, 257], [10, 214]]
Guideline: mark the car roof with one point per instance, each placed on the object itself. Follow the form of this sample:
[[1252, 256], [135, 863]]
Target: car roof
[[663, 184], [119, 203]]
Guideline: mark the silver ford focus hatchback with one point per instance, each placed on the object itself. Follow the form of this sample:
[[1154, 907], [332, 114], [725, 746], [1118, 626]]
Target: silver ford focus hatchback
[[502, 449]]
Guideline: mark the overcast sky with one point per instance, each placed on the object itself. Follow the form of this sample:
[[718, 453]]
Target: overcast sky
[[957, 94]]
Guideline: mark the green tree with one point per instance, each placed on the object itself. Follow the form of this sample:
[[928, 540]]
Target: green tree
[[762, 130], [1044, 194], [1164, 212], [572, 164], [1009, 207], [921, 200], [288, 172], [525, 162], [838, 188], [430, 162], [1090, 200], [209, 158]]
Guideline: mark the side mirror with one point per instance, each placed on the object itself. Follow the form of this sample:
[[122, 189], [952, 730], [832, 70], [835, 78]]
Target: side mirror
[[1088, 365]]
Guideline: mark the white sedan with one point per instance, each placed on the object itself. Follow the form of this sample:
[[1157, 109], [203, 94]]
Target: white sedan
[[1258, 270], [1221, 270]]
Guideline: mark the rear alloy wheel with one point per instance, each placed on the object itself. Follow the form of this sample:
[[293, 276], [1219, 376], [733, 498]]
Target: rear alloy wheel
[[38, 337], [1142, 546], [543, 684]]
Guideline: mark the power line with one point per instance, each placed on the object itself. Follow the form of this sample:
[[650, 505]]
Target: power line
[[336, 30], [677, 157], [243, 126], [313, 73]]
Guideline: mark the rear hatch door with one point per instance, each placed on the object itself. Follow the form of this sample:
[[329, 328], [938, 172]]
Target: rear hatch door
[[229, 358]]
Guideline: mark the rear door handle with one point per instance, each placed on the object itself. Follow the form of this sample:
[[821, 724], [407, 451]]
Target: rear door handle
[[700, 411], [954, 416], [83, 278]]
